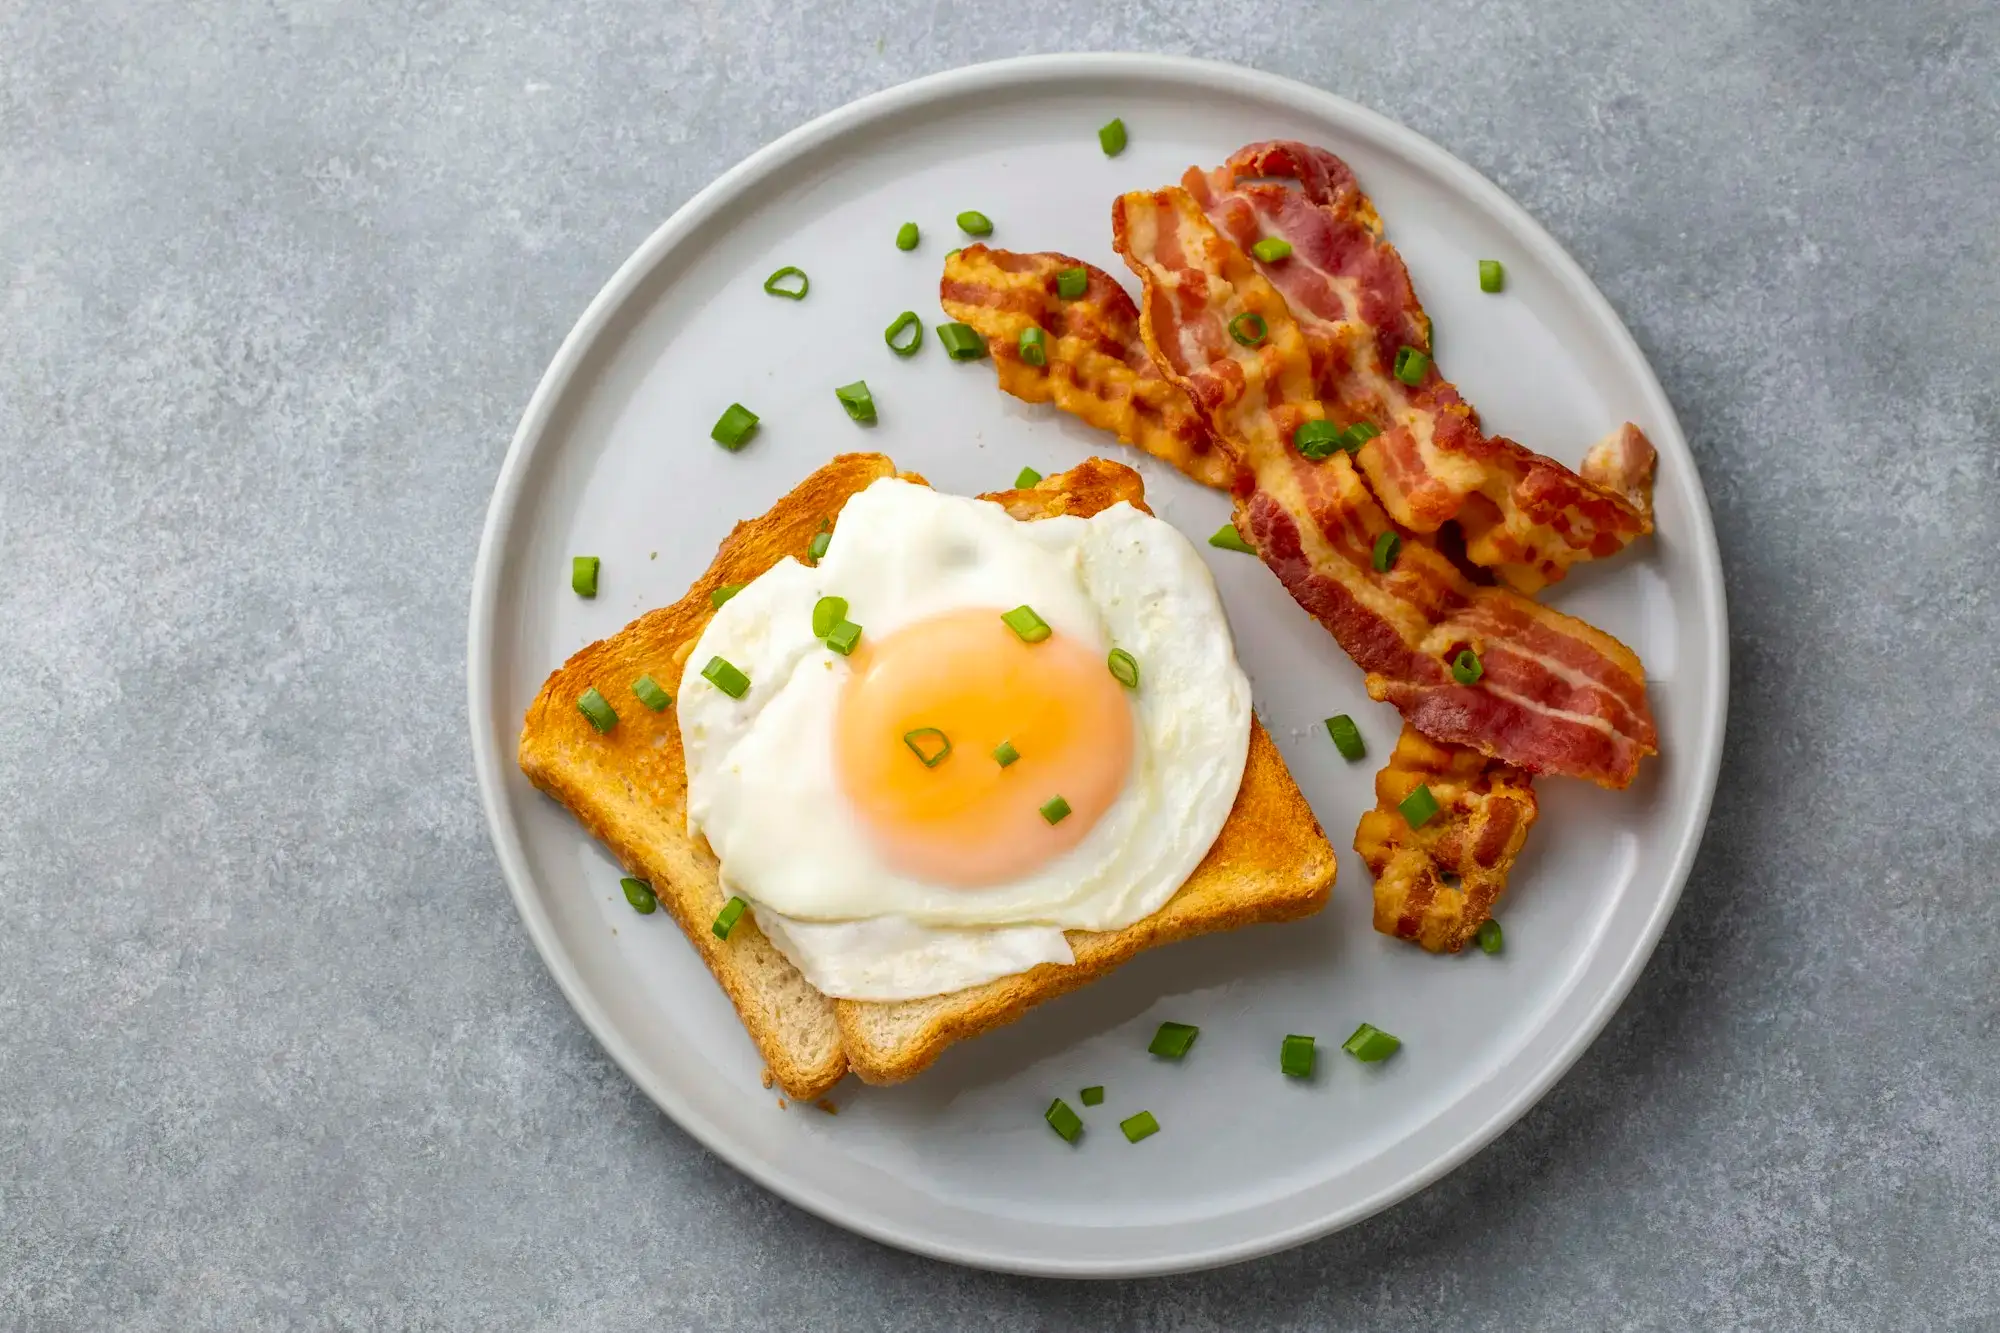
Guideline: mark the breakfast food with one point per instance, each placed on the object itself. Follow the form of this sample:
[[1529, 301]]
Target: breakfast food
[[992, 929]]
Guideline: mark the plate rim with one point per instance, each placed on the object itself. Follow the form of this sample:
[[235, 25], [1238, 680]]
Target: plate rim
[[490, 755]]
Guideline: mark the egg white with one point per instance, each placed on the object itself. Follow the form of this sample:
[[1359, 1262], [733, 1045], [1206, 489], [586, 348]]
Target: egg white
[[762, 786]]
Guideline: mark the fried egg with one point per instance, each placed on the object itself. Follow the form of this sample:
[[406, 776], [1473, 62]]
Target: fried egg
[[860, 803]]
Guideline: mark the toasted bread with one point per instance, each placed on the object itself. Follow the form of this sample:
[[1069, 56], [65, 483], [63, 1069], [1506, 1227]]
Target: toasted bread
[[629, 788]]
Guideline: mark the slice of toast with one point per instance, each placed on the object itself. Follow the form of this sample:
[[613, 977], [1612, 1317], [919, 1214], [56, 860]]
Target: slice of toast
[[629, 788]]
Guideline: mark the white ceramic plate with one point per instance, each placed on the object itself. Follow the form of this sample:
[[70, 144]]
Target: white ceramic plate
[[613, 459]]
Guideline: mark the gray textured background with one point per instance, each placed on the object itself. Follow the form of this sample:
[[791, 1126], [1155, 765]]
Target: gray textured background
[[278, 279]]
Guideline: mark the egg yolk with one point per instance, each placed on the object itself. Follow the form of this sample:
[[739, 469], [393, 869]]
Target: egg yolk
[[967, 679]]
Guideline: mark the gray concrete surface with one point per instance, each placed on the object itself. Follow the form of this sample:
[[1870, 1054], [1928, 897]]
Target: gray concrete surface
[[278, 278]]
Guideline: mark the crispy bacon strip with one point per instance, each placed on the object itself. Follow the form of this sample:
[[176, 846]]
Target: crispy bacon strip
[[1434, 885], [1526, 517], [1097, 367], [1556, 696]]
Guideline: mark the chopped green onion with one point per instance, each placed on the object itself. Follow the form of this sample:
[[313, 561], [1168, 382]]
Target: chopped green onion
[[1034, 346], [726, 919], [1072, 283], [583, 575], [1346, 737], [1004, 753], [961, 342], [828, 612], [1490, 938], [1271, 249], [1412, 364], [1316, 439], [734, 428], [1466, 668], [723, 594], [817, 547], [1249, 329], [907, 236], [1357, 435], [640, 894], [1025, 478], [1370, 1043], [1093, 1095], [907, 322], [1055, 810], [1063, 1120], [1124, 667], [772, 283], [1229, 539], [598, 709], [1491, 276], [1173, 1039], [860, 404], [1419, 807], [953, 253], [1111, 138], [722, 673], [1024, 622], [650, 693], [931, 746], [1140, 1126], [1387, 547], [974, 223], [1296, 1056], [842, 637]]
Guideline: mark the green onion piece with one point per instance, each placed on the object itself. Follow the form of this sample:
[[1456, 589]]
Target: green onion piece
[[1025, 478], [773, 283], [961, 342], [1466, 668], [1370, 1043], [1271, 249], [931, 746], [1124, 667], [817, 547], [650, 693], [723, 594], [1249, 329], [1316, 439], [1034, 346], [1357, 435], [1490, 938], [1111, 138], [1229, 539], [1297, 1056], [907, 322], [1419, 807], [974, 223], [1024, 622], [1491, 276], [1412, 364], [640, 894], [1140, 1126], [1004, 753], [1173, 1039], [583, 575], [1346, 737], [726, 919], [842, 637], [953, 253], [1063, 1120], [734, 428], [828, 612], [722, 673], [598, 709], [1093, 1095], [1072, 283], [1055, 810], [860, 404], [1387, 547], [907, 236]]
